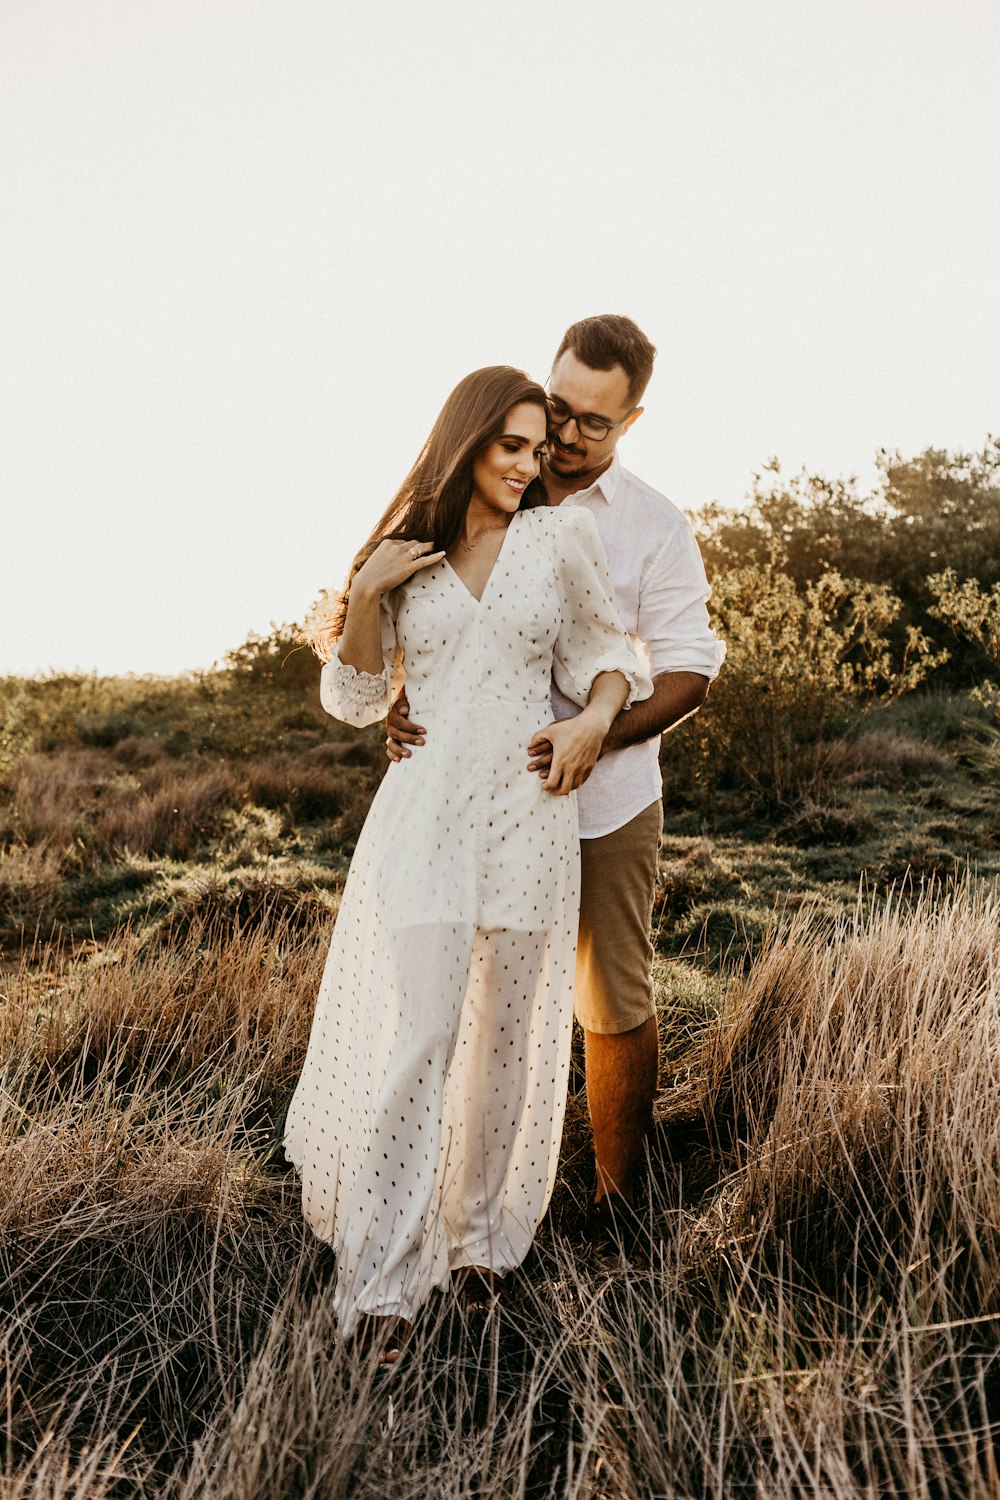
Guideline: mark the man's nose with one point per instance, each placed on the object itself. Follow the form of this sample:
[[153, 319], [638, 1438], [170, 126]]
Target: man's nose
[[560, 431]]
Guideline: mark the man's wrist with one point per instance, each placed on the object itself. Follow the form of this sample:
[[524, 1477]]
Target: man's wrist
[[617, 732]]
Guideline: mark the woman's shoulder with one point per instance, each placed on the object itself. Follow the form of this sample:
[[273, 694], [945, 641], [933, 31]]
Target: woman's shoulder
[[565, 520]]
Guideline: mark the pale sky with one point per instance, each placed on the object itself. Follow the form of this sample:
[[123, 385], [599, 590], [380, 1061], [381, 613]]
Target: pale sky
[[249, 246]]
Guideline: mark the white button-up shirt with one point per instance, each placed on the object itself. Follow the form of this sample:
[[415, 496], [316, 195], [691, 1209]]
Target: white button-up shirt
[[661, 591]]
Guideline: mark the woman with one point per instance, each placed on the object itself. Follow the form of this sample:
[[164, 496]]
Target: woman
[[427, 1119]]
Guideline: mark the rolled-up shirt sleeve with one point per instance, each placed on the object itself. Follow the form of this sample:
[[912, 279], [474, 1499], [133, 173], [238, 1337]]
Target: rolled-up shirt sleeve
[[361, 698], [592, 638], [673, 616]]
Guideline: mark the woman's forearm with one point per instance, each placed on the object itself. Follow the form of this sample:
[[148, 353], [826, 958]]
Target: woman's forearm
[[361, 641], [607, 698], [575, 743]]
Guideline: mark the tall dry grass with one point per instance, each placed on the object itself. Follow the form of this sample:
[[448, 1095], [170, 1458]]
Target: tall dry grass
[[83, 828], [812, 1309], [101, 804]]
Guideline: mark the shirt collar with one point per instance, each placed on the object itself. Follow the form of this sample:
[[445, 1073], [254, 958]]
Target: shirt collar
[[604, 485]]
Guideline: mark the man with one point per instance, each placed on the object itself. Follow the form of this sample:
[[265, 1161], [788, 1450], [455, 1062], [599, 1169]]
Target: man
[[601, 369]]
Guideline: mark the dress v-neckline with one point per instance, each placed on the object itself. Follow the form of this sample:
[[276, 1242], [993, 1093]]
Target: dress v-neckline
[[478, 598]]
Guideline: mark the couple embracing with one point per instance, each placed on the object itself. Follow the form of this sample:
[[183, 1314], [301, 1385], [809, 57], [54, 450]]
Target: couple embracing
[[539, 614]]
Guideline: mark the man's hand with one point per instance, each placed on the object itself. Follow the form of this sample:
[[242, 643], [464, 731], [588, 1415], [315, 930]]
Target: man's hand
[[401, 730], [540, 751]]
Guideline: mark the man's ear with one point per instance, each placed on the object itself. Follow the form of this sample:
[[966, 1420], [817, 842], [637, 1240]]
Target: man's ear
[[633, 417]]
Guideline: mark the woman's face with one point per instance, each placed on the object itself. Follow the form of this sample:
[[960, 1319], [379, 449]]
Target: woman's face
[[502, 472]]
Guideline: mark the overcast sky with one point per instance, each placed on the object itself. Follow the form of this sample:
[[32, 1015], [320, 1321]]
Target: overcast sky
[[249, 246]]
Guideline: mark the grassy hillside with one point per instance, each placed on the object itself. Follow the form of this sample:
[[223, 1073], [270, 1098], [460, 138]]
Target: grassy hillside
[[815, 1310]]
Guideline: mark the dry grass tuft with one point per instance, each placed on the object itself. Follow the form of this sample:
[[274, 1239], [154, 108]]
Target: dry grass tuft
[[99, 804], [854, 1066], [85, 800], [816, 822], [890, 760], [215, 909]]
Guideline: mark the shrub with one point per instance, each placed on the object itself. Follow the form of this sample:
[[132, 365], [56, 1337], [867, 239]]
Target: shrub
[[971, 611], [106, 729], [940, 508], [279, 659], [802, 666], [209, 713], [808, 525]]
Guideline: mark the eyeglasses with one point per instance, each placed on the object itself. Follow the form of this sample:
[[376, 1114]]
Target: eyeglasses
[[588, 426]]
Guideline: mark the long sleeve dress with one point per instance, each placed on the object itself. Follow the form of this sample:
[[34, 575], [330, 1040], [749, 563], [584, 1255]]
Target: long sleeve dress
[[427, 1119]]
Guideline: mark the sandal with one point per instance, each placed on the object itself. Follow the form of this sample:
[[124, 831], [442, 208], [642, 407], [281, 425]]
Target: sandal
[[477, 1287], [382, 1337]]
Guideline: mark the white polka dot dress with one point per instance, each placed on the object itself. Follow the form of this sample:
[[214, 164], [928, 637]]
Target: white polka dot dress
[[427, 1120]]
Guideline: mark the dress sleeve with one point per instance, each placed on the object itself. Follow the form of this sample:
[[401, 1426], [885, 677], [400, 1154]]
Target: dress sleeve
[[591, 639], [361, 698]]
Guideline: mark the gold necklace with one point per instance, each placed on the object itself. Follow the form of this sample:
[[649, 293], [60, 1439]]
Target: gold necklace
[[471, 546]]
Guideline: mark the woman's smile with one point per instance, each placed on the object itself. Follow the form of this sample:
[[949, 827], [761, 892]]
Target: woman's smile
[[505, 468]]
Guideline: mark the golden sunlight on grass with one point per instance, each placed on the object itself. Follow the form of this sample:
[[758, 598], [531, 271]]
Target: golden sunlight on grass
[[818, 1300], [813, 1304]]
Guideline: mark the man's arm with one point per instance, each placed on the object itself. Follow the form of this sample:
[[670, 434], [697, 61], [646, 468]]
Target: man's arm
[[675, 696], [674, 625]]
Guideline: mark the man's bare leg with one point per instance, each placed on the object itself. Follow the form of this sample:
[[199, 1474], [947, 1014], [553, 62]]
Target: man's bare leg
[[621, 1082]]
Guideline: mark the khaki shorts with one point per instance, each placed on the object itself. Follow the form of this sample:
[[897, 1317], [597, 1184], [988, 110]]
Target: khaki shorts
[[614, 990]]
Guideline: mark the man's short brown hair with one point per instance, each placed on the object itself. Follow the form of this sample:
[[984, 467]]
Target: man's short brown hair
[[610, 339]]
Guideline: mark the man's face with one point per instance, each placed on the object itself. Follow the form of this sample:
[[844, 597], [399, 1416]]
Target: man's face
[[587, 392]]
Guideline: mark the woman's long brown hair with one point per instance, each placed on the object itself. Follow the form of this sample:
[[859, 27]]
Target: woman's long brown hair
[[431, 503]]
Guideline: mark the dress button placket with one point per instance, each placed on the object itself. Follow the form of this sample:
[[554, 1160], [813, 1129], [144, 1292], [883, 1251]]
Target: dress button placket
[[480, 725]]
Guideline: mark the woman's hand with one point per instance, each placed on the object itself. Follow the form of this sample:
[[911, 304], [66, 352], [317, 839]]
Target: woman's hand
[[575, 744], [566, 752], [391, 564]]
